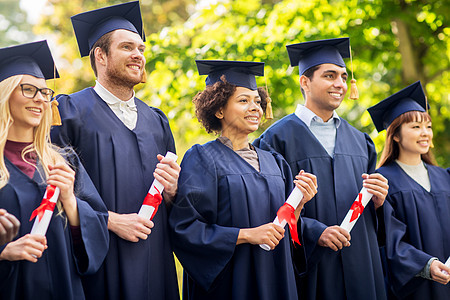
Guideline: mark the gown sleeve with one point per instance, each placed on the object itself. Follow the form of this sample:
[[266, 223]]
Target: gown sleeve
[[404, 260], [93, 219], [203, 246]]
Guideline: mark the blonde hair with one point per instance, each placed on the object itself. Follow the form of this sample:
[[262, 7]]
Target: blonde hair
[[47, 153]]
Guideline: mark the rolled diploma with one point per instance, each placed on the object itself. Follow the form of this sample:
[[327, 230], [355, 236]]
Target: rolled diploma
[[366, 196], [447, 264], [146, 211], [293, 200], [40, 227]]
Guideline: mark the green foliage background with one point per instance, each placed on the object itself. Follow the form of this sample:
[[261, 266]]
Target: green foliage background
[[394, 43]]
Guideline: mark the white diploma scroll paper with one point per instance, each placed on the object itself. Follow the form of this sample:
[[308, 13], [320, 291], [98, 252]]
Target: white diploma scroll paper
[[293, 200], [42, 221], [148, 208], [356, 209]]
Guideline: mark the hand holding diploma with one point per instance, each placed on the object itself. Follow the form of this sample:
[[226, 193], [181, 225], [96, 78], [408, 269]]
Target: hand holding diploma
[[305, 184], [44, 212], [447, 264], [28, 247], [337, 237], [154, 195], [135, 227], [377, 185], [439, 272], [356, 209]]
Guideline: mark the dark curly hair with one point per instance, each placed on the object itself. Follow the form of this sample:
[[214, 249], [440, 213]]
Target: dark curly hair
[[213, 98]]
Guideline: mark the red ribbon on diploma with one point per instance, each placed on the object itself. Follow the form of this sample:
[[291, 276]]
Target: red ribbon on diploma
[[286, 212], [46, 204], [153, 201], [357, 208]]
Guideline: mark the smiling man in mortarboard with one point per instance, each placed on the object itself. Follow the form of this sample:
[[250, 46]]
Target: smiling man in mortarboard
[[119, 139], [315, 139]]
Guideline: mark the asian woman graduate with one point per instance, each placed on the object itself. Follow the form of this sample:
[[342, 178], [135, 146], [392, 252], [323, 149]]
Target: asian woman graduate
[[229, 193], [36, 266], [417, 213]]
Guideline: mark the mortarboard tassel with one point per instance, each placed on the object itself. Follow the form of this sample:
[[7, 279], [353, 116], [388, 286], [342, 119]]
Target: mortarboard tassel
[[269, 112], [56, 118], [354, 95], [144, 77]]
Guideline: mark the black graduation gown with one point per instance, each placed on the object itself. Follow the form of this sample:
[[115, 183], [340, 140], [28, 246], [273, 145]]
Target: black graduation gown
[[56, 275], [121, 162], [417, 229], [219, 193], [354, 272]]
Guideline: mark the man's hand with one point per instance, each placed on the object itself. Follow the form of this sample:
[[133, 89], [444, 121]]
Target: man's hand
[[269, 234], [334, 237], [130, 227], [439, 272], [167, 172]]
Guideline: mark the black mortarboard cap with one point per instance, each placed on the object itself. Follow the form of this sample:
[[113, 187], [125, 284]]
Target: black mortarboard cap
[[27, 59], [239, 73], [309, 54], [411, 98], [92, 25]]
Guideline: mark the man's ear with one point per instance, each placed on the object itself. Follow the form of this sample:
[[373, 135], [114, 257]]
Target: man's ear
[[304, 83], [100, 56]]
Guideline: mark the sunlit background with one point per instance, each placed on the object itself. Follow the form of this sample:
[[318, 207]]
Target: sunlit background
[[394, 44]]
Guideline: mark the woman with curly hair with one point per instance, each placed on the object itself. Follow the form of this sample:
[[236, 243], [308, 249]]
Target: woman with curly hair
[[417, 210], [34, 266], [229, 193]]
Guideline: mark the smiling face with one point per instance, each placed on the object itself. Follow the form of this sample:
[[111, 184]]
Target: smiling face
[[125, 61], [27, 113], [325, 90], [414, 139], [242, 113]]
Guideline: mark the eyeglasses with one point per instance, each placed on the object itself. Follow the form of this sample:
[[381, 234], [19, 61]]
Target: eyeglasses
[[30, 91]]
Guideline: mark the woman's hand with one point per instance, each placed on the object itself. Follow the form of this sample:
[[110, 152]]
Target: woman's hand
[[307, 184], [378, 186], [269, 234], [29, 247], [63, 177], [9, 227]]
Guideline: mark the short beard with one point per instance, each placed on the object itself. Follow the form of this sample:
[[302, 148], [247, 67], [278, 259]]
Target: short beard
[[120, 81]]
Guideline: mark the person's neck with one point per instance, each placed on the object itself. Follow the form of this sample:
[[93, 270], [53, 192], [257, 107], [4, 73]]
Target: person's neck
[[325, 115], [239, 141], [20, 135], [409, 159], [122, 92]]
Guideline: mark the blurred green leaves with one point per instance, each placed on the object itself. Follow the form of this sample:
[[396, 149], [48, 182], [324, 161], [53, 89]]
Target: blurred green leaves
[[394, 43]]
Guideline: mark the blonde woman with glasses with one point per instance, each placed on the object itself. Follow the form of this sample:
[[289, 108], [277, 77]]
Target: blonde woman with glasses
[[35, 266]]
